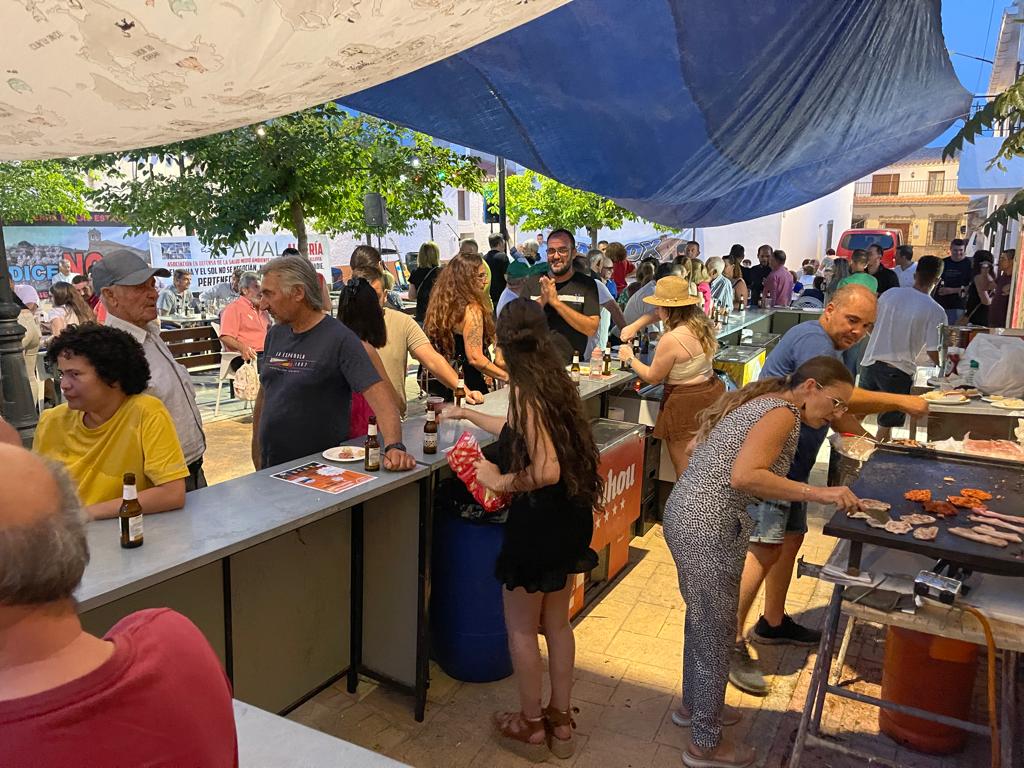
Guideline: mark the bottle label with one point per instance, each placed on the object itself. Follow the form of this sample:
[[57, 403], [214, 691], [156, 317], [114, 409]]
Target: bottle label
[[371, 429], [461, 384], [430, 440], [574, 376], [130, 492], [135, 528], [373, 457], [431, 414]]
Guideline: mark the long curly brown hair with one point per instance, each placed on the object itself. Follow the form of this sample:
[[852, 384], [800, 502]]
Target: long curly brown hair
[[455, 289], [539, 385]]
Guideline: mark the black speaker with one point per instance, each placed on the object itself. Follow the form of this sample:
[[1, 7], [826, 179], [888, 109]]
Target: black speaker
[[375, 211]]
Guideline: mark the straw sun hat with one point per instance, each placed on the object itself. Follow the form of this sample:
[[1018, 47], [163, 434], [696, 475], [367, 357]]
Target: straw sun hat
[[672, 291]]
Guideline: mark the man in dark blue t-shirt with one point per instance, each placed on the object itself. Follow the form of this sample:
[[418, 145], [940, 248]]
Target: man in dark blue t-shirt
[[779, 527], [311, 365]]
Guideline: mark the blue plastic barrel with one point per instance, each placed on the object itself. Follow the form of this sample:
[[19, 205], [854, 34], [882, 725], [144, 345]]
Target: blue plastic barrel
[[467, 623]]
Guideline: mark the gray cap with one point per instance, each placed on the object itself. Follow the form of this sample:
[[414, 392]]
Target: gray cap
[[122, 268]]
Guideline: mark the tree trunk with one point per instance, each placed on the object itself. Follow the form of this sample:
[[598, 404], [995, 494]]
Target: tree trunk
[[189, 229], [592, 231], [299, 227]]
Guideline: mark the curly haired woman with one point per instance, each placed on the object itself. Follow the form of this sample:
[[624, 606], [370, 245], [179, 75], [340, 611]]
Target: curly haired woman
[[459, 325], [548, 461], [107, 426]]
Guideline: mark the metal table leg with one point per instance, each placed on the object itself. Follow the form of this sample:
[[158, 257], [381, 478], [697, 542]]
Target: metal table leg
[[356, 609], [844, 646], [1008, 706], [426, 533]]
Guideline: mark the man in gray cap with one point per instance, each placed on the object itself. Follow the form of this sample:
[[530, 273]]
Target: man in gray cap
[[127, 287]]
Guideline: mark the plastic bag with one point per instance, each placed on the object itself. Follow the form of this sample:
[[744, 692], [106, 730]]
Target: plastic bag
[[1000, 364], [462, 459], [247, 381]]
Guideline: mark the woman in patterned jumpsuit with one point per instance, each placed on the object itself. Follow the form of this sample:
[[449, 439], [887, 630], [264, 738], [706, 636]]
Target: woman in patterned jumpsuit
[[742, 451]]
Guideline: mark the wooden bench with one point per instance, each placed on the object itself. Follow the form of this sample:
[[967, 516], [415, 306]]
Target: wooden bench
[[197, 348]]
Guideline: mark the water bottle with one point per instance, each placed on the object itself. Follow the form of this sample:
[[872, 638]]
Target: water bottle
[[971, 377]]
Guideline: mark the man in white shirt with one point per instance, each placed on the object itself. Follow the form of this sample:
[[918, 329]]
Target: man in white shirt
[[225, 292], [635, 307], [127, 288], [905, 266], [907, 326], [177, 299], [64, 273]]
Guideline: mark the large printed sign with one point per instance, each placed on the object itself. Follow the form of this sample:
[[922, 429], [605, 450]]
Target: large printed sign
[[622, 468], [209, 269], [35, 250]]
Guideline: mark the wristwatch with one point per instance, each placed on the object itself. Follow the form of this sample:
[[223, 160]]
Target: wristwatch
[[399, 446]]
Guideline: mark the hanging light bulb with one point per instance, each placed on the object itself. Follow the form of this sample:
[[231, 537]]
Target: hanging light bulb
[[416, 163], [261, 131]]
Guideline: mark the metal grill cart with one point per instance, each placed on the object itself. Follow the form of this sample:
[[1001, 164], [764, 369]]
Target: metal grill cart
[[933, 585]]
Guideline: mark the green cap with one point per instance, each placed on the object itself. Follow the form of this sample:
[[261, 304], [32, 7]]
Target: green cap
[[517, 269]]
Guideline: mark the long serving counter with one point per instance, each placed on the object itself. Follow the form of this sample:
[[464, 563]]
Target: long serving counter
[[295, 587]]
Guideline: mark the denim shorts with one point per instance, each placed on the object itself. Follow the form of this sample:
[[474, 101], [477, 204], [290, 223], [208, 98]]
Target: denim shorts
[[774, 519], [882, 377]]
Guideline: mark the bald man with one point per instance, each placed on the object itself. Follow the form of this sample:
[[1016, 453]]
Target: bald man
[[779, 527], [149, 692], [8, 434]]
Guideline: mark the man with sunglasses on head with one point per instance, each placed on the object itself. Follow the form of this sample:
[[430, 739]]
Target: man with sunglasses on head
[[779, 527]]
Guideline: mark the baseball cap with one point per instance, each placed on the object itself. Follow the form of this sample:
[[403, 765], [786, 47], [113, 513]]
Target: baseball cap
[[517, 269], [27, 294], [122, 268]]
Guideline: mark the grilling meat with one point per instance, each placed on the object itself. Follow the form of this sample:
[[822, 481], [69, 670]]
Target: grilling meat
[[898, 526], [995, 522], [922, 494], [975, 493], [940, 508], [988, 530], [916, 519], [964, 502], [981, 538], [928, 533]]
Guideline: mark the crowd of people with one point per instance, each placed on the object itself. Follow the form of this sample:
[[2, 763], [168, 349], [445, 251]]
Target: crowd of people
[[734, 522]]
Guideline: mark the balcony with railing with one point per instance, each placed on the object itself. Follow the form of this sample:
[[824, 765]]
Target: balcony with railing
[[879, 189]]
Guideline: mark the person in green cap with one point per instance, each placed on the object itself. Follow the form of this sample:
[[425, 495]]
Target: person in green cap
[[858, 272], [515, 279]]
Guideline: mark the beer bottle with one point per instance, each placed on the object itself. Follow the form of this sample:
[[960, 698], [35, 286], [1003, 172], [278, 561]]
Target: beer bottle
[[130, 514], [430, 432], [574, 369], [606, 369], [460, 392], [371, 458]]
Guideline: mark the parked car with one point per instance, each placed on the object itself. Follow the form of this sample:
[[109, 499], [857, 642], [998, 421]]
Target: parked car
[[852, 239]]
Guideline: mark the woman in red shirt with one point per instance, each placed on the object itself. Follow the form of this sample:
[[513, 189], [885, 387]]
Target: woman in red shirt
[[622, 267]]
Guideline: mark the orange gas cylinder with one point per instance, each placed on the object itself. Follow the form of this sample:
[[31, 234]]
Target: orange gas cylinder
[[930, 673]]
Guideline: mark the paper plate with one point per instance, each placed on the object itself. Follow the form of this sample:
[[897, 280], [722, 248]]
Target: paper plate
[[345, 453], [1010, 404]]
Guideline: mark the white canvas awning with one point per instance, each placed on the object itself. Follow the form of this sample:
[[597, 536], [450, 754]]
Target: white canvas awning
[[975, 177], [86, 76]]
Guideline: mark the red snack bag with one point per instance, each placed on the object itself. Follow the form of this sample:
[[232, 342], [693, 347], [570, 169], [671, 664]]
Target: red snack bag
[[462, 459]]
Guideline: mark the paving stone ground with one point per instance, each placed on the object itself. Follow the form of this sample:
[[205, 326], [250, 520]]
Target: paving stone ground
[[628, 671]]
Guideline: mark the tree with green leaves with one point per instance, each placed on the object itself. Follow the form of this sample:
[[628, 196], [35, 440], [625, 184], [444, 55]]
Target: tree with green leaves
[[537, 202], [1005, 111], [28, 189], [308, 169]]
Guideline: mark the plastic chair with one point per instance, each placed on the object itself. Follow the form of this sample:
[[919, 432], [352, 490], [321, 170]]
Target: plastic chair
[[808, 302], [225, 373]]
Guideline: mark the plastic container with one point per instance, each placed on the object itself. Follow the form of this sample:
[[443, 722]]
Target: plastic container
[[467, 620], [932, 673]]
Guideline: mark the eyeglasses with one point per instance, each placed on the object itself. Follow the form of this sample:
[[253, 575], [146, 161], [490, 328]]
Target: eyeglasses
[[560, 251], [839, 406]]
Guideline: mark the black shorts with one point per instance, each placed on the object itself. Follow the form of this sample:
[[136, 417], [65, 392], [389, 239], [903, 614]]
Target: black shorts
[[882, 377]]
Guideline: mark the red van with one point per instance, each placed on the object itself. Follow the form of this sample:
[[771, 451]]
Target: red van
[[853, 239]]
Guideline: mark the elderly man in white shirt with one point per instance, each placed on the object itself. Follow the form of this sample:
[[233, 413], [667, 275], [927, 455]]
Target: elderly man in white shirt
[[127, 287]]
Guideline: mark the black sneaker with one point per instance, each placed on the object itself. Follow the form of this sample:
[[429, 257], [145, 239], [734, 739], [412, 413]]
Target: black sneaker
[[787, 633], [744, 672]]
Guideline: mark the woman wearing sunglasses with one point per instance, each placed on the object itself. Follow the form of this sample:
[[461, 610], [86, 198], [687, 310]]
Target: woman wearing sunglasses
[[744, 446]]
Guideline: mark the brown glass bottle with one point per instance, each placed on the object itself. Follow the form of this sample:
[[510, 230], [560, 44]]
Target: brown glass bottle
[[606, 369], [460, 393], [574, 369], [371, 459], [430, 432], [130, 514]]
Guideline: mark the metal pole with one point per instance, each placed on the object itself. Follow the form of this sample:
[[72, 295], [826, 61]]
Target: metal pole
[[502, 213], [17, 405]]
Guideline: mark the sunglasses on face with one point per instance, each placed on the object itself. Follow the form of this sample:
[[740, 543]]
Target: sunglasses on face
[[839, 406]]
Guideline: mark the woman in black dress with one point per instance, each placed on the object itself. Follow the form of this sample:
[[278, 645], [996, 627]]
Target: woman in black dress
[[546, 458], [980, 289], [459, 326]]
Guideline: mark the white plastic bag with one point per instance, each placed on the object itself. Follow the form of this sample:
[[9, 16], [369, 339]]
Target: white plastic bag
[[1000, 364], [247, 381]]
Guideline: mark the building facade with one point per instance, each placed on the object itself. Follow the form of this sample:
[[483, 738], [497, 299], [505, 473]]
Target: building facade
[[918, 196]]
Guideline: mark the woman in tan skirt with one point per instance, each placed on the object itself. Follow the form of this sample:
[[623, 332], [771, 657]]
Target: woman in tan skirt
[[682, 361]]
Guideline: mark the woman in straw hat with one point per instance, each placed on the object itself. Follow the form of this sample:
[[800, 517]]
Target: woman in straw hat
[[682, 361]]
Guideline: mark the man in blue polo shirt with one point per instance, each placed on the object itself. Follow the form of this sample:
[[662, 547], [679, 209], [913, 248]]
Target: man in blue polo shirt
[[779, 527]]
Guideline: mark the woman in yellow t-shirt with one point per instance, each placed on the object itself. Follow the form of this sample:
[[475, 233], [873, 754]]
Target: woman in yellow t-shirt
[[107, 427]]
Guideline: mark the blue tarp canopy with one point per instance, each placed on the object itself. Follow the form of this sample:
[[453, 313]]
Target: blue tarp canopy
[[694, 112]]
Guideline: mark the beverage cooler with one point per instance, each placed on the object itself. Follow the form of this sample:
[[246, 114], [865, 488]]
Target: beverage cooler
[[742, 363], [622, 466]]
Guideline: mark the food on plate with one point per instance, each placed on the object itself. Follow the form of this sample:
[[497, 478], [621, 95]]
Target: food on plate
[[874, 505], [945, 396], [988, 530], [981, 538], [928, 533], [976, 493], [988, 519], [919, 494], [917, 519], [1009, 403], [898, 526], [966, 391], [940, 508], [994, 398], [964, 502]]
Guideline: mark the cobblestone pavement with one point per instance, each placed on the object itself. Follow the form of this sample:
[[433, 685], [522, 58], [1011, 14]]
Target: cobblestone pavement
[[627, 679]]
